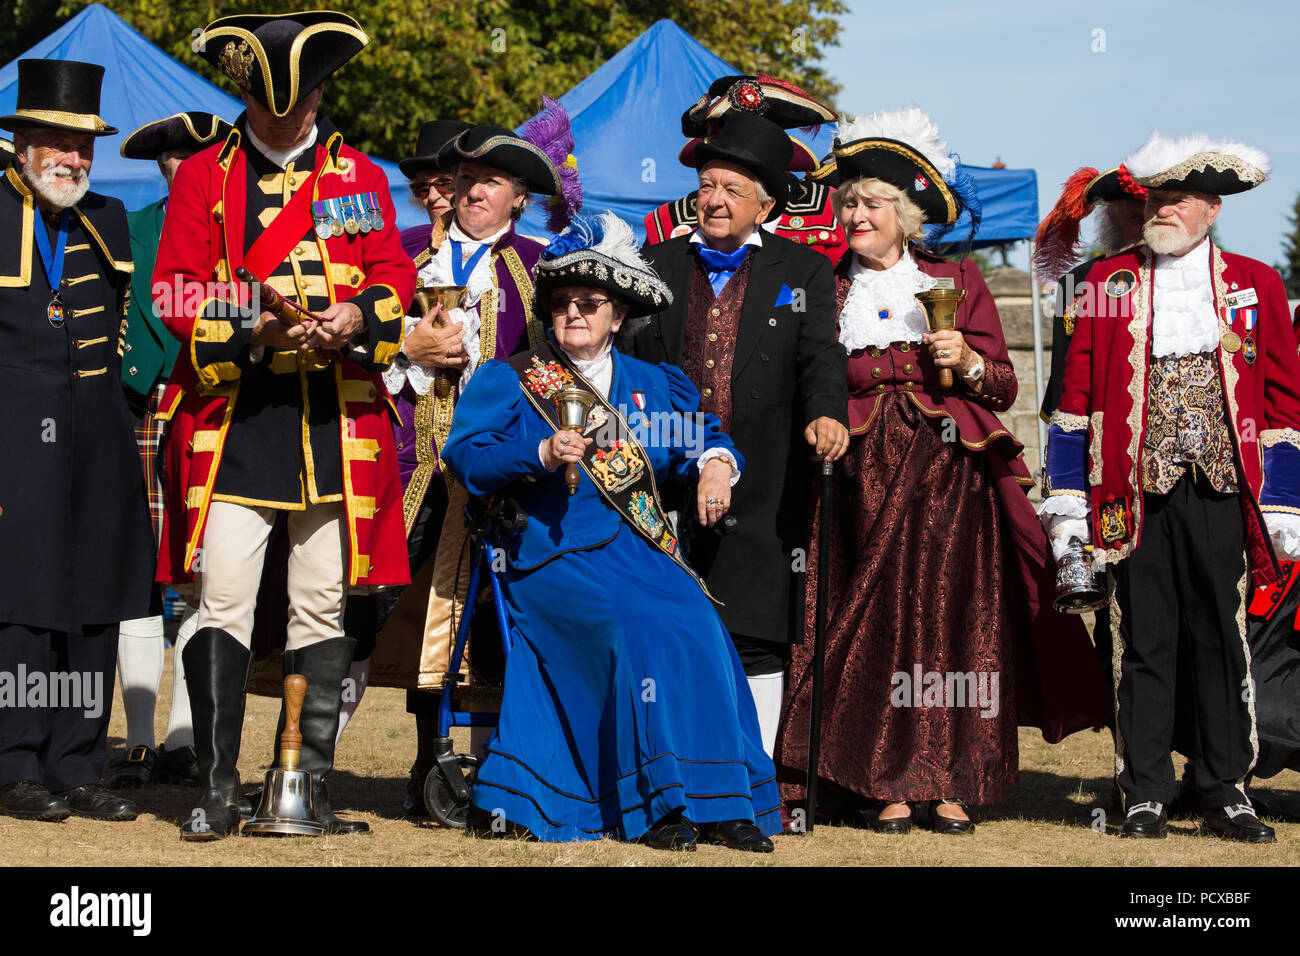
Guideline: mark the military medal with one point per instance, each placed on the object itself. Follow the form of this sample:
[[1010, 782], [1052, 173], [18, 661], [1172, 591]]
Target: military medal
[[336, 220], [52, 260], [1231, 341], [320, 215], [350, 224], [1249, 316], [363, 215], [376, 216]]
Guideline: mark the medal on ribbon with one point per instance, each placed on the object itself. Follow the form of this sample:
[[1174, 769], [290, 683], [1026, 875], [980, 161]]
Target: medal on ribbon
[[52, 260], [336, 218], [321, 218], [350, 224], [372, 208]]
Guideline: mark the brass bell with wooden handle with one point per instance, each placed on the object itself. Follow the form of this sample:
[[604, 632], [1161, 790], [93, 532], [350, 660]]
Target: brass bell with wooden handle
[[941, 315], [287, 808], [572, 406], [449, 297]]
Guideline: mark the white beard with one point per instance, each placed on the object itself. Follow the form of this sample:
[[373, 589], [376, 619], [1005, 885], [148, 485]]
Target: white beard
[[1166, 239], [47, 184]]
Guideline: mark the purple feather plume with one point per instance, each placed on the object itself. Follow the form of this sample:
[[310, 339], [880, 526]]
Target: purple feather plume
[[552, 133]]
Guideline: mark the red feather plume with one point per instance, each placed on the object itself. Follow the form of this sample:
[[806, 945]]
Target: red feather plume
[[1057, 242], [1129, 184]]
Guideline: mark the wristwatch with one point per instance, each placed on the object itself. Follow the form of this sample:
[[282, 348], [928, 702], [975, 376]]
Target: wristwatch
[[975, 373]]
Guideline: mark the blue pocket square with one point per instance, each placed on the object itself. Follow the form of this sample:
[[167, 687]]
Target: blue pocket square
[[784, 297]]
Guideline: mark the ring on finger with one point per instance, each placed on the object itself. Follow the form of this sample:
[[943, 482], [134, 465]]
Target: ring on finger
[[944, 353], [565, 440]]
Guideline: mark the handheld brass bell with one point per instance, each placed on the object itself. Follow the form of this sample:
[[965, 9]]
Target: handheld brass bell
[[449, 297], [941, 315], [287, 808], [572, 406]]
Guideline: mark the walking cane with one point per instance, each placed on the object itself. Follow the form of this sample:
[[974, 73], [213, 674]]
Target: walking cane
[[819, 645]]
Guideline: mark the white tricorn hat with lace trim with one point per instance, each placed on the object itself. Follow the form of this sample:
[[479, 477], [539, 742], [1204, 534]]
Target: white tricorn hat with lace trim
[[1221, 167]]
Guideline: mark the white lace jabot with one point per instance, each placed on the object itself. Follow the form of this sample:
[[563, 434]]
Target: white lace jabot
[[881, 307], [1185, 322]]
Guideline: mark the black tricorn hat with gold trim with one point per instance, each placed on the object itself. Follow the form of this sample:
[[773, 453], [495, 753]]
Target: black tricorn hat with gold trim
[[190, 131], [278, 58], [502, 149], [58, 94]]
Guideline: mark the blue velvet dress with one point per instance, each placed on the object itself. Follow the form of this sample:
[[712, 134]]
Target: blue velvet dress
[[624, 698]]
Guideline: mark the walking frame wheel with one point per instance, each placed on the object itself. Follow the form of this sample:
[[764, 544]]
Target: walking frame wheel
[[440, 798]]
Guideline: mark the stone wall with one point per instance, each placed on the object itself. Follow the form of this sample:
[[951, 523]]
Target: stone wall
[[1011, 292]]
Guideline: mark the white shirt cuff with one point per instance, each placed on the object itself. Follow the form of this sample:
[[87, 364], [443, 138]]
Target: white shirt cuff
[[1284, 531], [713, 453]]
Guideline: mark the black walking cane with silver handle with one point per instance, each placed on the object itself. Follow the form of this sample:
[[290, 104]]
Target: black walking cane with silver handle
[[819, 644]]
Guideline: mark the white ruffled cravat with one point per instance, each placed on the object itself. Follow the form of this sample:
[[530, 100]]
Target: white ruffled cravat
[[1184, 320], [881, 307]]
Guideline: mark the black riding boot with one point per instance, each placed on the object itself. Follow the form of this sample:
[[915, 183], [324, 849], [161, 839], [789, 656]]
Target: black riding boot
[[216, 675], [325, 665]]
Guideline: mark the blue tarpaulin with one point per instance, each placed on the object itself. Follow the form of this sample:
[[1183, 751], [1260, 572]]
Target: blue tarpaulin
[[627, 125], [142, 84]]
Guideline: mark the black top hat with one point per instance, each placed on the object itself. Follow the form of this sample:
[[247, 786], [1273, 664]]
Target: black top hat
[[783, 103], [501, 149], [191, 131], [58, 94], [277, 58], [760, 146], [433, 137]]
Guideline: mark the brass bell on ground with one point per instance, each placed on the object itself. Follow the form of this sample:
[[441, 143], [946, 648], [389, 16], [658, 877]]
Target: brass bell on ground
[[286, 808]]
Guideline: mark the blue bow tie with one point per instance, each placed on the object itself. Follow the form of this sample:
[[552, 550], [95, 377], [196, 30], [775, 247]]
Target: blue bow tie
[[715, 261]]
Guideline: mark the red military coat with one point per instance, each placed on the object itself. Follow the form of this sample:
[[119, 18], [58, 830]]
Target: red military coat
[[1104, 394], [203, 242]]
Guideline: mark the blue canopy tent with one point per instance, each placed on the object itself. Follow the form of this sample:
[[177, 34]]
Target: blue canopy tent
[[142, 84], [627, 126]]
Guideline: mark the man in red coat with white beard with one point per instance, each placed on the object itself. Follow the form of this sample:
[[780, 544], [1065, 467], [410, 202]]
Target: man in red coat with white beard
[[1176, 452], [270, 417]]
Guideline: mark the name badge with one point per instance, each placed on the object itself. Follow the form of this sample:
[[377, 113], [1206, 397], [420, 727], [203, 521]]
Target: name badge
[[945, 282], [1236, 300]]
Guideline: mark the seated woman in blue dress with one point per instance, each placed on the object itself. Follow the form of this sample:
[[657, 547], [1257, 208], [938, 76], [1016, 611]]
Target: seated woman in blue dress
[[626, 710]]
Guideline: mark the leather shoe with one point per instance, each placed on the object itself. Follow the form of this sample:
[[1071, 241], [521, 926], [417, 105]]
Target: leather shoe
[[179, 766], [134, 770], [675, 833], [28, 800], [941, 824], [413, 804], [736, 835], [1238, 823], [1147, 820], [895, 825], [93, 801]]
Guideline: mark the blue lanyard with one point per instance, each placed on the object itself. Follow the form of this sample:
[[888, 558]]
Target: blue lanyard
[[53, 263], [461, 271]]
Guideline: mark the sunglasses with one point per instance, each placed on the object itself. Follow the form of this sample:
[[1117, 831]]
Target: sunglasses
[[420, 187], [586, 306]]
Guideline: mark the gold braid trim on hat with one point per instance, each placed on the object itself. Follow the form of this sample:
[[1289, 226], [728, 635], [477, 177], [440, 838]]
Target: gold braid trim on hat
[[86, 121], [912, 154], [1219, 162]]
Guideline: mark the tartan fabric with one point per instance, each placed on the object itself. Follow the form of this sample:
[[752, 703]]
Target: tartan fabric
[[148, 434]]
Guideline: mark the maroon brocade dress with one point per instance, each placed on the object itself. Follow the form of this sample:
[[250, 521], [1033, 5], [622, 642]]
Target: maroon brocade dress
[[930, 658]]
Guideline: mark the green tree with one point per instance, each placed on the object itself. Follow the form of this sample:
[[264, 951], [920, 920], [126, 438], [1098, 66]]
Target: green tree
[[489, 61], [29, 20], [1289, 267]]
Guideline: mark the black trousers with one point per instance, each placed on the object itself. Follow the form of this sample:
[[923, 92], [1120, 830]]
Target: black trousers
[[1180, 598], [55, 734]]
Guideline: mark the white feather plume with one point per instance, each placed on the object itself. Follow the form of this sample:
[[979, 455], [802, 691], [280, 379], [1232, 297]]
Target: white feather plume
[[910, 126], [618, 242], [1162, 152]]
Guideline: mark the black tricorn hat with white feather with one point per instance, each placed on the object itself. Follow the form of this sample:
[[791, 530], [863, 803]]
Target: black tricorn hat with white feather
[[601, 252], [1219, 167]]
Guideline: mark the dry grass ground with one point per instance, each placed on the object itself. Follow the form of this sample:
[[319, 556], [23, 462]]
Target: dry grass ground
[[1045, 820]]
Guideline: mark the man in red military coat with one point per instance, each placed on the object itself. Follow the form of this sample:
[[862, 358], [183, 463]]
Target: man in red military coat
[[1176, 452], [268, 417]]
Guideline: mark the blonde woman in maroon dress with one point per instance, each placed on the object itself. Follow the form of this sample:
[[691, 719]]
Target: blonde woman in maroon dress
[[935, 552]]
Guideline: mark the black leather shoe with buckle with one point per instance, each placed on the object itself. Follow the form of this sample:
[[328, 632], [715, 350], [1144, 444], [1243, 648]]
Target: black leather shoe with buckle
[[1146, 820], [1238, 823], [735, 835], [28, 800], [93, 801], [135, 770]]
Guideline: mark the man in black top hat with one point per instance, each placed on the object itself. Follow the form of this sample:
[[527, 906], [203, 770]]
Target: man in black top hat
[[76, 555], [148, 356], [753, 325]]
